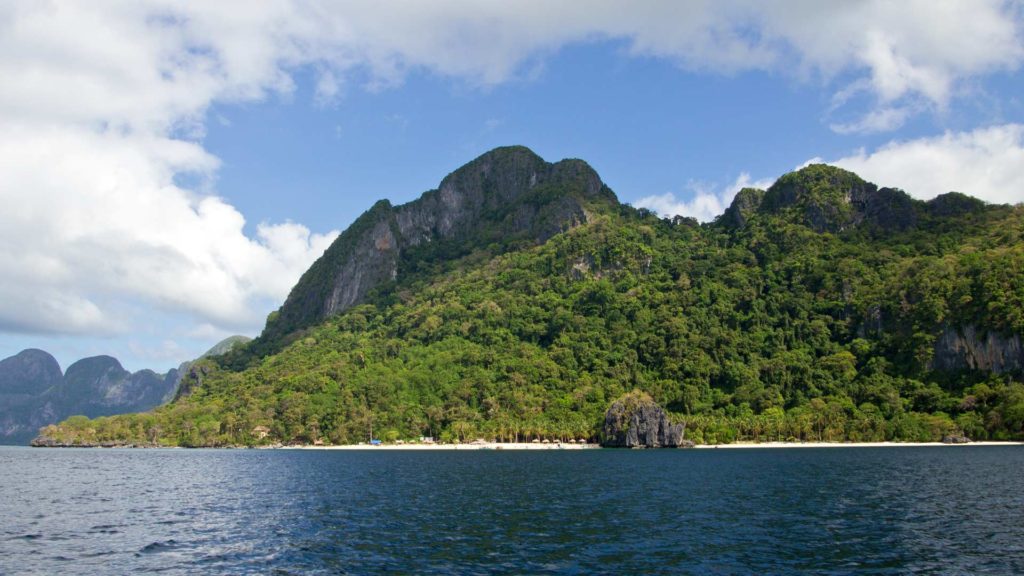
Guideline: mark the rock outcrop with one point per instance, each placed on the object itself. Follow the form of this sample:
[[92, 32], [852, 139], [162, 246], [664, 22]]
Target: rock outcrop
[[35, 393], [636, 421], [29, 372], [25, 381], [969, 348], [100, 386], [828, 199], [506, 197], [192, 376], [744, 205]]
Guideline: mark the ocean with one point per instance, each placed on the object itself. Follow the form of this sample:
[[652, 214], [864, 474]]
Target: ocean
[[916, 510]]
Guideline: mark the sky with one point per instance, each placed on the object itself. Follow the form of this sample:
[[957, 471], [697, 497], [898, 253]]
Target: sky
[[168, 169]]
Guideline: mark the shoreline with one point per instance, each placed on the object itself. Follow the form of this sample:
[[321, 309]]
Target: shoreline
[[551, 446], [762, 445], [565, 446], [466, 446]]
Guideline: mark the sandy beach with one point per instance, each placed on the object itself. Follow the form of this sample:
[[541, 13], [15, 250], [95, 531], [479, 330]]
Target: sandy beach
[[568, 446], [849, 444], [465, 446]]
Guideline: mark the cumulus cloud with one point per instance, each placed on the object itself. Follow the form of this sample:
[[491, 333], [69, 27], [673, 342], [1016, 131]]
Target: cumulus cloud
[[706, 201], [165, 351], [93, 215], [987, 163], [880, 120], [103, 108]]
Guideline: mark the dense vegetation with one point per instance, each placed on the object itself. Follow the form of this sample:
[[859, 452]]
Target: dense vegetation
[[792, 320]]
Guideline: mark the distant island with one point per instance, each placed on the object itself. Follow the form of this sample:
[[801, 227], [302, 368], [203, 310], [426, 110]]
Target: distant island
[[35, 393], [520, 300]]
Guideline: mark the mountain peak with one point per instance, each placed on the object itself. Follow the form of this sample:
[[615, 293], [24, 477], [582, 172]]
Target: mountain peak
[[954, 204], [30, 371], [506, 197], [827, 199], [825, 196]]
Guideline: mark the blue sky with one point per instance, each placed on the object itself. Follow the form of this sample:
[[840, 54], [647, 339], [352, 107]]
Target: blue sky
[[167, 196]]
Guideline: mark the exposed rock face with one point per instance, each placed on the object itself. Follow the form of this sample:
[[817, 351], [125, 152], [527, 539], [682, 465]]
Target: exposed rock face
[[34, 393], [25, 379], [745, 204], [971, 349], [508, 194], [635, 421], [192, 375], [28, 372]]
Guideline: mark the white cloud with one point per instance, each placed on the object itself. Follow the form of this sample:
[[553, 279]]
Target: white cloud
[[987, 163], [98, 214], [103, 104], [163, 352], [880, 120], [706, 201]]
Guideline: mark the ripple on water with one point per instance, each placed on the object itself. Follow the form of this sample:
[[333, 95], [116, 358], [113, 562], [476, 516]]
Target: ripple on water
[[830, 511], [159, 547]]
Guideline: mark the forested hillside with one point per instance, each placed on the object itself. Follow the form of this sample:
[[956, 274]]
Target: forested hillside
[[823, 308]]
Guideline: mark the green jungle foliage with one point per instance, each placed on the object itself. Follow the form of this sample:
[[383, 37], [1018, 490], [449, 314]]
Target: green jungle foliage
[[773, 330]]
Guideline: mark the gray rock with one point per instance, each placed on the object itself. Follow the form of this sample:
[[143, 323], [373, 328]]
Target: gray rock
[[744, 205], [636, 421], [970, 348], [506, 197], [34, 393]]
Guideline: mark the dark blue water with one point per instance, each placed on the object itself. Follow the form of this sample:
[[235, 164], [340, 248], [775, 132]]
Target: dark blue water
[[821, 511]]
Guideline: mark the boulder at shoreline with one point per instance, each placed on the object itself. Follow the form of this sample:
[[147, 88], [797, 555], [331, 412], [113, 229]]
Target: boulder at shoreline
[[636, 421]]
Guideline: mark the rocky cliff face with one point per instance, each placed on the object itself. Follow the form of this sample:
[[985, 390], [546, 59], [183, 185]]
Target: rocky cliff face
[[25, 379], [507, 195], [636, 421], [34, 392], [30, 372], [969, 348], [744, 205], [100, 386]]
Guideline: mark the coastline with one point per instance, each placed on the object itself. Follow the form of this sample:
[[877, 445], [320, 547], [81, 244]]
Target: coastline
[[762, 445], [466, 446], [478, 445], [566, 446]]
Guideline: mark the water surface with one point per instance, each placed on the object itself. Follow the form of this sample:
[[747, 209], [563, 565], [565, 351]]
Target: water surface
[[935, 510]]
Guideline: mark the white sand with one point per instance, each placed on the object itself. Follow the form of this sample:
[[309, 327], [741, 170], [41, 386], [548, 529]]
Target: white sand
[[568, 446], [848, 444], [466, 446]]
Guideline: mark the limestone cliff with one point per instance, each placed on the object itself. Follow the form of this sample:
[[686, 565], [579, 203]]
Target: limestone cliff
[[24, 379], [969, 348], [503, 199], [34, 392], [636, 421]]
